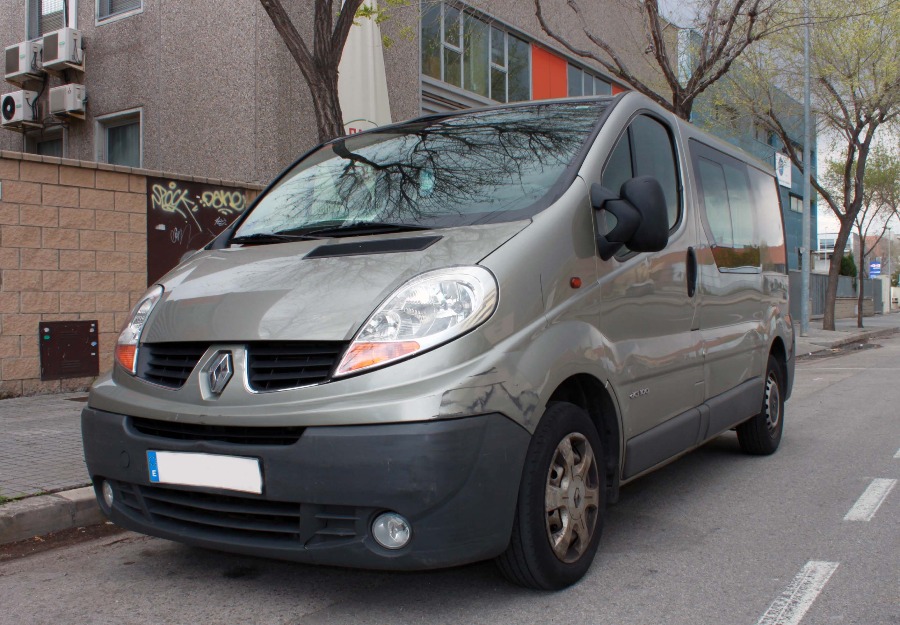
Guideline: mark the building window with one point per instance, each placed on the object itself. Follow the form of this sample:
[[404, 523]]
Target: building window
[[46, 16], [461, 49], [762, 134], [797, 204], [117, 8], [585, 83], [119, 140], [45, 142]]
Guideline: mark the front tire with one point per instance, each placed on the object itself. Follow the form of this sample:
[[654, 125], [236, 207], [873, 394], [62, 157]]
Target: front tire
[[562, 496], [761, 435]]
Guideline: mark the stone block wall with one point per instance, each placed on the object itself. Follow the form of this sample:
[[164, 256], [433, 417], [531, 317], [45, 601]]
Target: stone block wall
[[73, 246], [846, 307]]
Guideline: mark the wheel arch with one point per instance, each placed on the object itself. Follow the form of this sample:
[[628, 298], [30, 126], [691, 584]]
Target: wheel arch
[[779, 352], [591, 395]]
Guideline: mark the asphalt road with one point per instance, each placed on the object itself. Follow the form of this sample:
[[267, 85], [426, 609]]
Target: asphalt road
[[714, 538]]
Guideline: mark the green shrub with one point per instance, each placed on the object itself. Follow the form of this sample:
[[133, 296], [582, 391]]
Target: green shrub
[[848, 266]]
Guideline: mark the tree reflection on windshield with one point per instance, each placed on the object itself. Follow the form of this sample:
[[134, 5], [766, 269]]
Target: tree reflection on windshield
[[473, 168]]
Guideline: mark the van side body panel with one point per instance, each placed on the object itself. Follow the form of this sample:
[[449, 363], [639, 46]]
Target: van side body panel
[[646, 314]]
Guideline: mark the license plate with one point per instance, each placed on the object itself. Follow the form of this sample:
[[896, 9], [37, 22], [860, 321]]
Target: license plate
[[209, 470]]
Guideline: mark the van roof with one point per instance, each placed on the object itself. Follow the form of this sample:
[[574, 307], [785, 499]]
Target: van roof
[[632, 98]]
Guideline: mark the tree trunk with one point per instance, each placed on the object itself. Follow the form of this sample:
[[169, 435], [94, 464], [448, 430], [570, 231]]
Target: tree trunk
[[329, 118], [860, 272], [682, 107], [834, 272]]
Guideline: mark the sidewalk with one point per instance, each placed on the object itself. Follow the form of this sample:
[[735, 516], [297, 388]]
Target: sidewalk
[[40, 446], [845, 333], [42, 467]]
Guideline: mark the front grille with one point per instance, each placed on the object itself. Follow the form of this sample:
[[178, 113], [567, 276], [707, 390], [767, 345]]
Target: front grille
[[224, 513], [238, 435], [230, 517], [169, 364], [276, 366]]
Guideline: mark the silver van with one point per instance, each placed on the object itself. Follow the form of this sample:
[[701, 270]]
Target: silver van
[[453, 339]]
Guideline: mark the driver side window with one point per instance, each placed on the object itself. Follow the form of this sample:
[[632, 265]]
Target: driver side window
[[646, 149]]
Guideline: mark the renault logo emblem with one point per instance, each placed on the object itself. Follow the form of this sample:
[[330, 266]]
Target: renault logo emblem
[[220, 372]]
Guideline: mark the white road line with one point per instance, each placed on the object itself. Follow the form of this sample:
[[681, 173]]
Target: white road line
[[869, 502], [798, 597]]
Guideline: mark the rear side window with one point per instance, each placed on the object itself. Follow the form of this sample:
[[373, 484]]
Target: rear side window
[[646, 149], [771, 224], [741, 213]]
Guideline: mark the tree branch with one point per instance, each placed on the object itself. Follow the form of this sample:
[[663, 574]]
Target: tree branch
[[292, 39], [617, 67]]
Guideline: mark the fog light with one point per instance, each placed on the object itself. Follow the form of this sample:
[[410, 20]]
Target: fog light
[[391, 530], [106, 489]]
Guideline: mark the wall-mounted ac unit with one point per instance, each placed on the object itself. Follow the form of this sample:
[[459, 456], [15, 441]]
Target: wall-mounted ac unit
[[23, 62], [16, 108], [67, 101], [62, 49]]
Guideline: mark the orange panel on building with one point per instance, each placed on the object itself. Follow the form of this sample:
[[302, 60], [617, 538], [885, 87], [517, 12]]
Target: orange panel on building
[[616, 89], [549, 77]]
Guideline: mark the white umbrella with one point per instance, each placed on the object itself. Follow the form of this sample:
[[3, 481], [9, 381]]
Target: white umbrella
[[362, 81]]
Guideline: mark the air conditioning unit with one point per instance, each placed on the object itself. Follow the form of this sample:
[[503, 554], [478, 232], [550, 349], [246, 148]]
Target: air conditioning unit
[[23, 61], [16, 108], [62, 49], [67, 101]]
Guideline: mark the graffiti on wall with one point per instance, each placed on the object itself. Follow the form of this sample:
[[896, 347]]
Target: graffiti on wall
[[183, 216]]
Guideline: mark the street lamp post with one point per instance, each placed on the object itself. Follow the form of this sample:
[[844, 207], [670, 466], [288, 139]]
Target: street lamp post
[[890, 273], [807, 203]]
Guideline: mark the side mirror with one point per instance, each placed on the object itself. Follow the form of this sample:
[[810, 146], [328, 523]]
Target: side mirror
[[642, 219]]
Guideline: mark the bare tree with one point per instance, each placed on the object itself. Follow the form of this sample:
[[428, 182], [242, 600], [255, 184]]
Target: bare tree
[[880, 195], [855, 70], [719, 33]]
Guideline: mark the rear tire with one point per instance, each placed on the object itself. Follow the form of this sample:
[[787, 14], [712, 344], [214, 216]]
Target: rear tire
[[562, 496], [761, 435]]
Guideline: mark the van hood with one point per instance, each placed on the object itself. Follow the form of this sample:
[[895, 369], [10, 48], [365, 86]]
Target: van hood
[[276, 292]]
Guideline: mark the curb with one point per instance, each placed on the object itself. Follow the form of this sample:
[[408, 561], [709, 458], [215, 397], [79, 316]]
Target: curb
[[854, 337], [35, 516], [865, 335]]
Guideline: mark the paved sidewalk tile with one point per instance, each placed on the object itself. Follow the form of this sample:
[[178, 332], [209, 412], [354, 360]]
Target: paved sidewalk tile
[[40, 445]]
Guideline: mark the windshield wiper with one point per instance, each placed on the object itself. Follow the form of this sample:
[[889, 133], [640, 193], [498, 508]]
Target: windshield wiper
[[271, 237], [355, 229], [361, 228]]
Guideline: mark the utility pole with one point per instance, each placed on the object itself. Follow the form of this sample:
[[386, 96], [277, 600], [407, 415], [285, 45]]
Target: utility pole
[[807, 208]]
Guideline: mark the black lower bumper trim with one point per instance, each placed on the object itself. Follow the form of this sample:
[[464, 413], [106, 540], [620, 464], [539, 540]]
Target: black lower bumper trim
[[455, 481]]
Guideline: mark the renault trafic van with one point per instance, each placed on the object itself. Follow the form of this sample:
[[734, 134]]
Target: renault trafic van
[[453, 339]]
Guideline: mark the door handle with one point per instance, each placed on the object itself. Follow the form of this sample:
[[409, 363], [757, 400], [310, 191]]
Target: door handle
[[691, 271]]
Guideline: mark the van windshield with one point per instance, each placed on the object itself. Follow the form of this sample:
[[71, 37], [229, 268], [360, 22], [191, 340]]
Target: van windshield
[[471, 168]]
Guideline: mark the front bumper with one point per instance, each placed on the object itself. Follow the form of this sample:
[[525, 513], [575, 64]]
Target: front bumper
[[456, 481]]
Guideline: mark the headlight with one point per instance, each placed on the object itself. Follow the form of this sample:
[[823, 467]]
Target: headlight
[[126, 346], [429, 310]]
